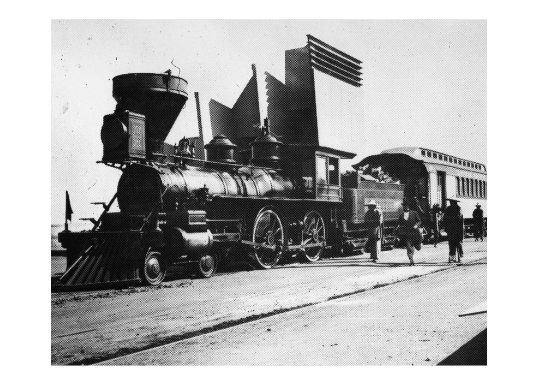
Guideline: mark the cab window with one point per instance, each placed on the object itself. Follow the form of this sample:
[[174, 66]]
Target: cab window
[[321, 169], [327, 170], [333, 171]]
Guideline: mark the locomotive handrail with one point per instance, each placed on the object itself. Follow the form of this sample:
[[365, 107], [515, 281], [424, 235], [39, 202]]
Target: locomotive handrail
[[277, 198], [146, 219], [203, 162], [231, 165], [105, 210], [222, 220]]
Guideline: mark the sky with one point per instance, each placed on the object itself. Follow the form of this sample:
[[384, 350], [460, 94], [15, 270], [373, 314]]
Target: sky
[[424, 83]]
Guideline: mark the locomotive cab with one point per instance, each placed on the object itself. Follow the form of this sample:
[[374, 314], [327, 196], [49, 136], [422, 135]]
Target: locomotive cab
[[318, 170]]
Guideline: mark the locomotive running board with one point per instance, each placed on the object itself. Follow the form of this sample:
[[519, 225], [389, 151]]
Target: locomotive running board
[[105, 262]]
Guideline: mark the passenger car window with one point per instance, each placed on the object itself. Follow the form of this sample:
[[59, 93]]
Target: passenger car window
[[471, 187]]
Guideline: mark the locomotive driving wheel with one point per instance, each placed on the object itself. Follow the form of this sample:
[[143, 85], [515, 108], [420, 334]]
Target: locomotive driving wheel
[[153, 269], [268, 231], [313, 232]]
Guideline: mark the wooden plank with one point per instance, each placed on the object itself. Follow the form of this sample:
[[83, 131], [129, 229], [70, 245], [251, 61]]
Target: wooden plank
[[475, 310]]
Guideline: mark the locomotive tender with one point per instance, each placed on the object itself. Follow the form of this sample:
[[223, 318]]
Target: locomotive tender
[[432, 177], [260, 196]]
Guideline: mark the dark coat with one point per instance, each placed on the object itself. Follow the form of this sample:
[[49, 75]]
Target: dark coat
[[407, 226], [454, 223], [373, 221], [407, 229], [478, 216]]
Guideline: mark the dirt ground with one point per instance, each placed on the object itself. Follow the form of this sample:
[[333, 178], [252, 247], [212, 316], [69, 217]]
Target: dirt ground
[[88, 327], [415, 322]]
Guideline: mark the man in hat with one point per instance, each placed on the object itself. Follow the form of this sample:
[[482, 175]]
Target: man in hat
[[454, 225], [373, 220], [436, 215], [478, 222], [409, 223]]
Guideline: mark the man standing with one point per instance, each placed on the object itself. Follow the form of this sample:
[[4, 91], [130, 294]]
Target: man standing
[[373, 221], [454, 225], [478, 222], [409, 223], [436, 214]]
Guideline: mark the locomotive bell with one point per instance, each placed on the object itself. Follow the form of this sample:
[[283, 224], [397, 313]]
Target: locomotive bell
[[266, 149], [220, 149]]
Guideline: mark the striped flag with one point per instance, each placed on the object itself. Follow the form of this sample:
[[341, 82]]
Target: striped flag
[[68, 209]]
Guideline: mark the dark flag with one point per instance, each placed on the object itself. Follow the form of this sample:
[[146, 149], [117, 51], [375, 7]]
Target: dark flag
[[68, 209]]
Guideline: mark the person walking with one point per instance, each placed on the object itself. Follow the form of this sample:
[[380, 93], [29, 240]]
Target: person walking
[[409, 223], [436, 215], [478, 222], [454, 225], [373, 220]]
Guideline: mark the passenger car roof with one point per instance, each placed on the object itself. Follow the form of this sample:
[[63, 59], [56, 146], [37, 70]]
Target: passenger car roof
[[430, 156]]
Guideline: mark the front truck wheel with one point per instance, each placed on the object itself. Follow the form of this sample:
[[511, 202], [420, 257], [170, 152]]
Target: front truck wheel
[[153, 269], [206, 266]]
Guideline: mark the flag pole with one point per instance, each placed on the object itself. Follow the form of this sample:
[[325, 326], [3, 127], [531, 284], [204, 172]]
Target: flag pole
[[66, 203]]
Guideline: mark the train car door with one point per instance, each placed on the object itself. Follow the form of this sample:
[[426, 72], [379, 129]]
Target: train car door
[[441, 188]]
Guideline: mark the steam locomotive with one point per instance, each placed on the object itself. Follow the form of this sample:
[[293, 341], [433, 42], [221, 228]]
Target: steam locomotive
[[177, 209]]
